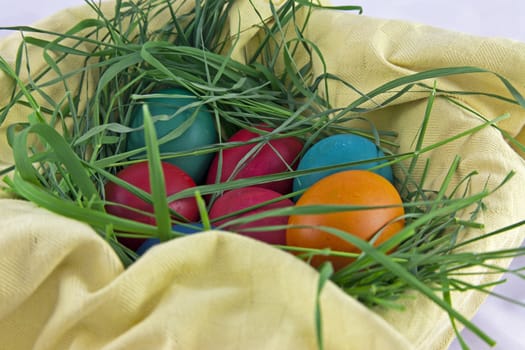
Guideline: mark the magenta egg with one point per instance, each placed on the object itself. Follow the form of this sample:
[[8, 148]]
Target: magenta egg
[[279, 155], [235, 202]]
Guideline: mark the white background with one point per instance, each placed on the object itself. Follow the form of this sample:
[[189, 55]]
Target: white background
[[505, 18]]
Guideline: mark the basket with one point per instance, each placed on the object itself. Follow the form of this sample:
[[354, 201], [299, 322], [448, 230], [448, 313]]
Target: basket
[[64, 286]]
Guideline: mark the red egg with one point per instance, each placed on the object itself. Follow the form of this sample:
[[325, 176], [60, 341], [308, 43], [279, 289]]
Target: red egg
[[280, 155], [243, 198], [138, 175]]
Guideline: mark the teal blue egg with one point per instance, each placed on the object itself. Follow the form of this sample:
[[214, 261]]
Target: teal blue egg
[[340, 149], [201, 132]]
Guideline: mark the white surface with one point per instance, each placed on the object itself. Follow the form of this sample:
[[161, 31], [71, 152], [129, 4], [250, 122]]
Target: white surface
[[26, 12], [505, 18]]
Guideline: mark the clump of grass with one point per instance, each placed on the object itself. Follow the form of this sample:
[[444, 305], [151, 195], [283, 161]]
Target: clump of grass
[[67, 171]]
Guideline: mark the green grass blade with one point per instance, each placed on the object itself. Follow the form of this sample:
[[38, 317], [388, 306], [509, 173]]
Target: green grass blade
[[156, 178], [410, 279], [63, 152]]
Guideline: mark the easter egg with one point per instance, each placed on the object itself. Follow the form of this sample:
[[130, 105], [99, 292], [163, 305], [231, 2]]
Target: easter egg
[[350, 187], [119, 199], [148, 243], [277, 156], [238, 203], [185, 229], [200, 133], [339, 149]]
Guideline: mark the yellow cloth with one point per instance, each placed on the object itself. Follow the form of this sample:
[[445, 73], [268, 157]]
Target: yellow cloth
[[63, 288]]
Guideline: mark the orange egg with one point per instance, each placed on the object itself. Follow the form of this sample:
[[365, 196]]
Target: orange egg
[[352, 187]]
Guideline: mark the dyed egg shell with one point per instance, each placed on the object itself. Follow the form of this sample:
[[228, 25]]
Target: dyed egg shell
[[339, 149], [243, 198], [200, 133], [187, 229], [280, 156], [138, 175], [351, 187]]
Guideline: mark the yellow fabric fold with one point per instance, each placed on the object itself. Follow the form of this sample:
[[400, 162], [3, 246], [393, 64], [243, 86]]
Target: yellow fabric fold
[[64, 288]]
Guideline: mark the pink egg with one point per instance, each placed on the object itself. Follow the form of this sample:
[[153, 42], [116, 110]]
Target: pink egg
[[243, 198], [280, 155]]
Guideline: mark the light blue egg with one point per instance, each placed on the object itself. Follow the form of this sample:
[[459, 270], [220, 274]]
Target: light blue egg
[[202, 131], [339, 149]]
